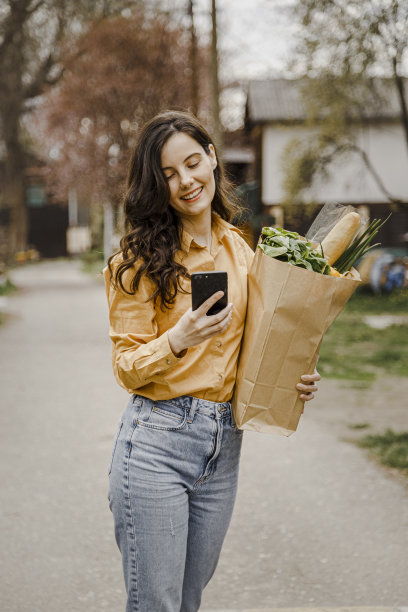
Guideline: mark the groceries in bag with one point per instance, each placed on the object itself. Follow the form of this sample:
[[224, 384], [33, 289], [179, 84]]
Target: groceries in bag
[[293, 297]]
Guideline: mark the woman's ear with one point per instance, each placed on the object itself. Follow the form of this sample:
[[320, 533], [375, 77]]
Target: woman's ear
[[212, 156]]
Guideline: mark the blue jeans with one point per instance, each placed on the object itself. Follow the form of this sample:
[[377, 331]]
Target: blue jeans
[[173, 482]]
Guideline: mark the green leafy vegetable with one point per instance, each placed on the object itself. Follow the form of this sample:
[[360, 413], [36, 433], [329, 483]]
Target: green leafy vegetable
[[290, 247]]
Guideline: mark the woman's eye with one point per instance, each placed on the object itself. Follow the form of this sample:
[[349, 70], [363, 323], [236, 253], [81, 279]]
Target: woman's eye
[[194, 165], [169, 176]]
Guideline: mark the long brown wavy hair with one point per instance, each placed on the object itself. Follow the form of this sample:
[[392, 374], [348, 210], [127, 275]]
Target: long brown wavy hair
[[153, 230]]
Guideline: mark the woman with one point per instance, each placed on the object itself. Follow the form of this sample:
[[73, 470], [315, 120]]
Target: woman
[[174, 466]]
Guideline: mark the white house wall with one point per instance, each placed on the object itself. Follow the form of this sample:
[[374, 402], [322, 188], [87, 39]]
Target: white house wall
[[349, 180]]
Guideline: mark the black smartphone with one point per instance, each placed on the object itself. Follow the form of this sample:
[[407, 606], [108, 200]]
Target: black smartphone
[[204, 285]]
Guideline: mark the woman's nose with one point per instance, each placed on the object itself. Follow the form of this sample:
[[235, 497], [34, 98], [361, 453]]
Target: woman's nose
[[185, 180]]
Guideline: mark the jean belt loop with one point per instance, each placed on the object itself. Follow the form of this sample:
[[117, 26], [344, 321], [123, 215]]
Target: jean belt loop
[[192, 410]]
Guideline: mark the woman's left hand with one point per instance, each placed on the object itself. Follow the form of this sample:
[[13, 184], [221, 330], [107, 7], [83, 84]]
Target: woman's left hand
[[308, 386]]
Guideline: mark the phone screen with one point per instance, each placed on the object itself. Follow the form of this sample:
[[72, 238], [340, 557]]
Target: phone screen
[[204, 285]]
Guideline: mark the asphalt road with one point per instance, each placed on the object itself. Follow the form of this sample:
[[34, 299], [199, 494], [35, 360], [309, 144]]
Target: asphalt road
[[317, 523]]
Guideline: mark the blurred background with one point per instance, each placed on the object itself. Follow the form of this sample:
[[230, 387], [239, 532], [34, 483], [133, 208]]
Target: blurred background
[[307, 101]]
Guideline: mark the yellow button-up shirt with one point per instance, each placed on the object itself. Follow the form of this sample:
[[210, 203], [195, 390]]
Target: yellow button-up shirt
[[142, 359]]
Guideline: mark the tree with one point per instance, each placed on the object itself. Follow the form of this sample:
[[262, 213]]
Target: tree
[[122, 71], [31, 33], [345, 47]]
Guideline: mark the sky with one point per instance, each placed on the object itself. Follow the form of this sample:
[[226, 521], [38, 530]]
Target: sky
[[256, 38]]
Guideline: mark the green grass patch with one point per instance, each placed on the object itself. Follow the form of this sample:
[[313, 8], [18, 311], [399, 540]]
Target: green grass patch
[[364, 302], [353, 350], [390, 448], [358, 425], [93, 262], [356, 384], [7, 287]]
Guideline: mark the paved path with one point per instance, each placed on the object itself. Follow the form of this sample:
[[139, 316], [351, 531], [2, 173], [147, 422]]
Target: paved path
[[322, 609], [317, 524]]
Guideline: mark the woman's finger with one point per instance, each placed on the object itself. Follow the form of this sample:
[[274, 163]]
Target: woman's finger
[[218, 328], [307, 397], [311, 377], [306, 388], [220, 317], [213, 299]]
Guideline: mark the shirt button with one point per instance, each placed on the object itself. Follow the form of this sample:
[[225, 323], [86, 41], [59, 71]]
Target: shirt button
[[219, 344], [219, 377], [169, 361]]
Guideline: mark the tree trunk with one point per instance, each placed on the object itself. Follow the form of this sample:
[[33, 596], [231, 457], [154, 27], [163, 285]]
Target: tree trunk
[[107, 230], [13, 192], [193, 60], [11, 109], [215, 90], [399, 81]]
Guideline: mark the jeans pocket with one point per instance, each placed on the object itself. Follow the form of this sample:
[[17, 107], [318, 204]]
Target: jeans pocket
[[162, 415], [115, 441]]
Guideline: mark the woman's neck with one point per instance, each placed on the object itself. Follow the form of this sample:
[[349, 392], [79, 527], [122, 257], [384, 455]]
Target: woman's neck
[[199, 228]]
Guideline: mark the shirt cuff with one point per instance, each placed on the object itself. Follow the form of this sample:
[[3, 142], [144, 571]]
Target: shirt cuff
[[172, 355]]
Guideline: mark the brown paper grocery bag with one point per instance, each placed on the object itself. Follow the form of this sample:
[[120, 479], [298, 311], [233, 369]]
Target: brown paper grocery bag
[[289, 310]]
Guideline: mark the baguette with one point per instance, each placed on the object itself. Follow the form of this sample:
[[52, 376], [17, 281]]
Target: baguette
[[340, 236]]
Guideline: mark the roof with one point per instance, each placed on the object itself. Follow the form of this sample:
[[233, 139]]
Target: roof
[[238, 155], [280, 100]]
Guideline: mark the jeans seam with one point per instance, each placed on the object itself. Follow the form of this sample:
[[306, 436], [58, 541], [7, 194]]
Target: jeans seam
[[211, 462], [115, 442], [133, 590]]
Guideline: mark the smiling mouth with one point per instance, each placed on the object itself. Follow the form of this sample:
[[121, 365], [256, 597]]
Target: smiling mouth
[[193, 195]]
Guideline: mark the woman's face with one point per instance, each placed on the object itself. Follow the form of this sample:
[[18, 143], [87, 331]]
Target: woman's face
[[189, 171]]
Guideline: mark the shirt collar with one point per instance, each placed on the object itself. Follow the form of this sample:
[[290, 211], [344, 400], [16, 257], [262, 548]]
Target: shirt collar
[[219, 228]]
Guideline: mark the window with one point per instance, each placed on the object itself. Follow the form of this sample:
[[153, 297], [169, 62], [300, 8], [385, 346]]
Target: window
[[36, 197]]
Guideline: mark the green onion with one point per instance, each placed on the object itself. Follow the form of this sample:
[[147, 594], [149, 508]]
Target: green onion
[[359, 247]]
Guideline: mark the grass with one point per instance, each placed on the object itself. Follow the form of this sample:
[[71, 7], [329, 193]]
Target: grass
[[364, 302], [389, 448], [7, 287], [358, 425], [353, 350], [93, 262]]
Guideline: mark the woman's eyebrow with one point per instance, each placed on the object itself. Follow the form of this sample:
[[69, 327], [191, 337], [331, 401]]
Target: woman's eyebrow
[[187, 158]]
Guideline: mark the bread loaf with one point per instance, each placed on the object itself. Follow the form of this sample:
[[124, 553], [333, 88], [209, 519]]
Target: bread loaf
[[340, 236]]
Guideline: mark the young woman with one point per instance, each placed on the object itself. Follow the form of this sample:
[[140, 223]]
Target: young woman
[[174, 465]]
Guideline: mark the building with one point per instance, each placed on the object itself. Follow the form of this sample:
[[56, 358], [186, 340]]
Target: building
[[276, 114]]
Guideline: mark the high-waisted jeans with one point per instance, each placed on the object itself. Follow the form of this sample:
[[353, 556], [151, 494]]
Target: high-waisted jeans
[[173, 482]]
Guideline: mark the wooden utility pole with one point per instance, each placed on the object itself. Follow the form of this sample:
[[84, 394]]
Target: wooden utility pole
[[217, 132], [193, 60]]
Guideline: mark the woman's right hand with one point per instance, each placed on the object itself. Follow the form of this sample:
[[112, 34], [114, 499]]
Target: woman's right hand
[[195, 326]]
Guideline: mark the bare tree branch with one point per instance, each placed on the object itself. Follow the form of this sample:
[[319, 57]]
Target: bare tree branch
[[42, 77], [375, 174], [325, 160], [34, 8], [13, 23], [399, 82]]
